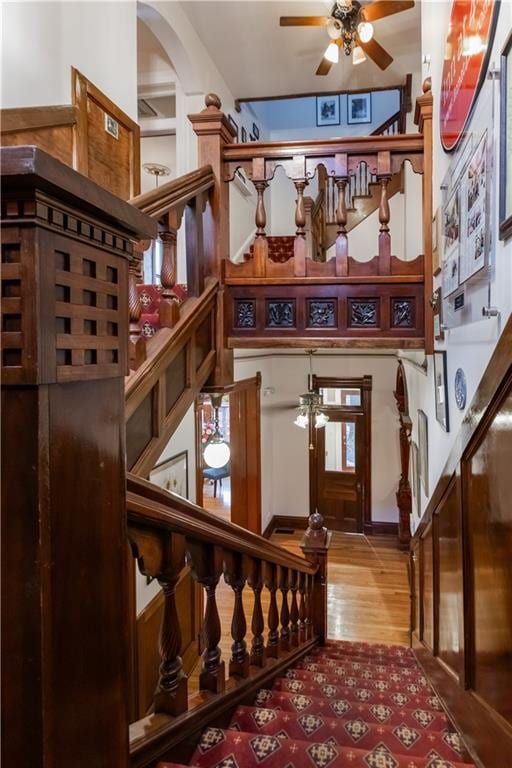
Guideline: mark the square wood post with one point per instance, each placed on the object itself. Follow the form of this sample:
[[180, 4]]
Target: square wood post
[[423, 119], [66, 248], [315, 546], [214, 131]]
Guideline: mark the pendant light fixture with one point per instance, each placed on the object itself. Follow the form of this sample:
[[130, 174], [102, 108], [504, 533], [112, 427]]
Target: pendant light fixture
[[217, 453], [310, 406]]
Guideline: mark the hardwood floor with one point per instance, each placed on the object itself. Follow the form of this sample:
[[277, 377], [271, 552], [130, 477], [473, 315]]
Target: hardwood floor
[[368, 592]]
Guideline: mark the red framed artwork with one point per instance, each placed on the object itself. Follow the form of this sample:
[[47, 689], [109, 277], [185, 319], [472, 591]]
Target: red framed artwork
[[468, 48]]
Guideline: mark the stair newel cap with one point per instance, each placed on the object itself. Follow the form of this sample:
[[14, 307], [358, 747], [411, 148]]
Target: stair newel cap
[[317, 537], [212, 120], [424, 103]]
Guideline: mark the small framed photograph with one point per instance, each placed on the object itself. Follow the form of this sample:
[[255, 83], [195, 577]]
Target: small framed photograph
[[437, 302], [359, 108], [506, 141], [255, 131], [243, 135], [451, 236], [234, 124], [327, 110], [441, 389], [111, 126], [172, 474], [423, 448]]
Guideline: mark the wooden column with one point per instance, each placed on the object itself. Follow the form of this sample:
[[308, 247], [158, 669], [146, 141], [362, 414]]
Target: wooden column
[[273, 614], [315, 546], [136, 343], [235, 576], [258, 655], [66, 248], [384, 176], [294, 609], [214, 131], [300, 245], [169, 310], [404, 495], [423, 119], [260, 243], [284, 636]]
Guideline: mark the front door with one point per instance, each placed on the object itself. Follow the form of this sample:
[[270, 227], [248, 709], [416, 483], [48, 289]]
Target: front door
[[340, 460]]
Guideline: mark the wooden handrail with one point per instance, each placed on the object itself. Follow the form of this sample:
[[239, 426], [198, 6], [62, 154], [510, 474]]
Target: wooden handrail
[[150, 506], [33, 118], [178, 192], [395, 118]]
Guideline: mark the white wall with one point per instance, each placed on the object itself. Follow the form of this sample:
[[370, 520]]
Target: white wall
[[285, 458], [41, 41], [469, 345], [182, 440], [157, 149]]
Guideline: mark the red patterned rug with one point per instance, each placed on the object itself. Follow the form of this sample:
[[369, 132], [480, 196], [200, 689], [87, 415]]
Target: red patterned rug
[[346, 704]]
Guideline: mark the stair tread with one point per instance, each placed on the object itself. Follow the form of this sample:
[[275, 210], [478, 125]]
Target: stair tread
[[236, 749], [379, 681], [341, 708], [360, 668], [354, 732]]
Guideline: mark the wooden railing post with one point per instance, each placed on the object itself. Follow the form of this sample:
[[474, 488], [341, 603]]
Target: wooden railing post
[[214, 132], [423, 119], [384, 176], [235, 576], [284, 637], [169, 309], [260, 242], [255, 580], [300, 244], [136, 343], [273, 615], [294, 609], [206, 563], [315, 545], [302, 607]]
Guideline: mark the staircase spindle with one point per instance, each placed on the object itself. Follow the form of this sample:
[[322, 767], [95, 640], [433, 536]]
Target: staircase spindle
[[255, 581], [307, 621], [171, 692], [260, 248], [300, 245], [302, 608], [273, 615], [384, 236], [207, 563], [341, 221], [235, 576], [285, 611], [169, 310], [137, 345], [294, 609]]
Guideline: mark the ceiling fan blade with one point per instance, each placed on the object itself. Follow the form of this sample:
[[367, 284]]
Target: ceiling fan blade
[[383, 8], [325, 65], [376, 52], [303, 21]]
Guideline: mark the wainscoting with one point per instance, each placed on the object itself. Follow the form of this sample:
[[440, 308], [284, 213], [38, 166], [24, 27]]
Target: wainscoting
[[461, 571]]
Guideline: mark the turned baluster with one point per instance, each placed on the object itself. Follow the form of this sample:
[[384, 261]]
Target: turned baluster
[[255, 581], [206, 564], [136, 345], [169, 310], [384, 175], [273, 614], [307, 621], [294, 610], [302, 608], [285, 611], [260, 248], [235, 576], [300, 244], [341, 221]]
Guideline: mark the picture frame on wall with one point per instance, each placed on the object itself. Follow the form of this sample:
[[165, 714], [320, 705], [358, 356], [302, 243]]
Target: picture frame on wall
[[451, 236], [473, 255], [234, 124], [359, 108], [327, 110], [172, 474], [505, 203], [423, 449], [437, 304], [441, 389]]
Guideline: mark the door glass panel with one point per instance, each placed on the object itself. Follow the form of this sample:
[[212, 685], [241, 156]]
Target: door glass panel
[[338, 396], [340, 446]]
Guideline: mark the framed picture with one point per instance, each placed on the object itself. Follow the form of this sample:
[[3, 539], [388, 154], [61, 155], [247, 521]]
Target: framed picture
[[475, 213], [255, 131], [451, 243], [415, 478], [235, 126], [359, 108], [437, 301], [172, 474], [327, 110], [423, 448], [506, 141], [243, 134], [441, 389]]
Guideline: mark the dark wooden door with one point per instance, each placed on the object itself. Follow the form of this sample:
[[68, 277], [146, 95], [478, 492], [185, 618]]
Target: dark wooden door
[[340, 465], [244, 417]]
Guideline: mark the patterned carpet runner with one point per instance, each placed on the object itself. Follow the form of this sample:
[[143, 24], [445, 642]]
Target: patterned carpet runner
[[347, 704]]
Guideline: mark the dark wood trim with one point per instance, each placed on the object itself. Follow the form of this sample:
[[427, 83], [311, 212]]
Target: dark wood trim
[[157, 738], [380, 528], [343, 92], [295, 522]]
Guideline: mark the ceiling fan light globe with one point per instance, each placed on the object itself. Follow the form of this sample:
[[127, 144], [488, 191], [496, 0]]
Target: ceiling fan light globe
[[301, 421], [216, 454], [332, 53], [321, 420], [358, 55], [334, 29], [365, 31]]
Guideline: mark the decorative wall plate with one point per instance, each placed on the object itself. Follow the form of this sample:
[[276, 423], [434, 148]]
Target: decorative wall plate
[[460, 389]]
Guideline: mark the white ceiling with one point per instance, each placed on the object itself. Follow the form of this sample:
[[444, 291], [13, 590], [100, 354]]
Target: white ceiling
[[257, 57]]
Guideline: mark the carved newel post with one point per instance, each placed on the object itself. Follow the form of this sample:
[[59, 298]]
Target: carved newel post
[[169, 311], [315, 546], [66, 248]]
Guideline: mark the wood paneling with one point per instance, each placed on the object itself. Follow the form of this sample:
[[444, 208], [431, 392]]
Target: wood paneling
[[488, 514], [244, 414], [450, 642], [427, 578]]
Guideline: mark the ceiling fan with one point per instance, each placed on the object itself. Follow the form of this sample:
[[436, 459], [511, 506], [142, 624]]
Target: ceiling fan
[[350, 26]]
